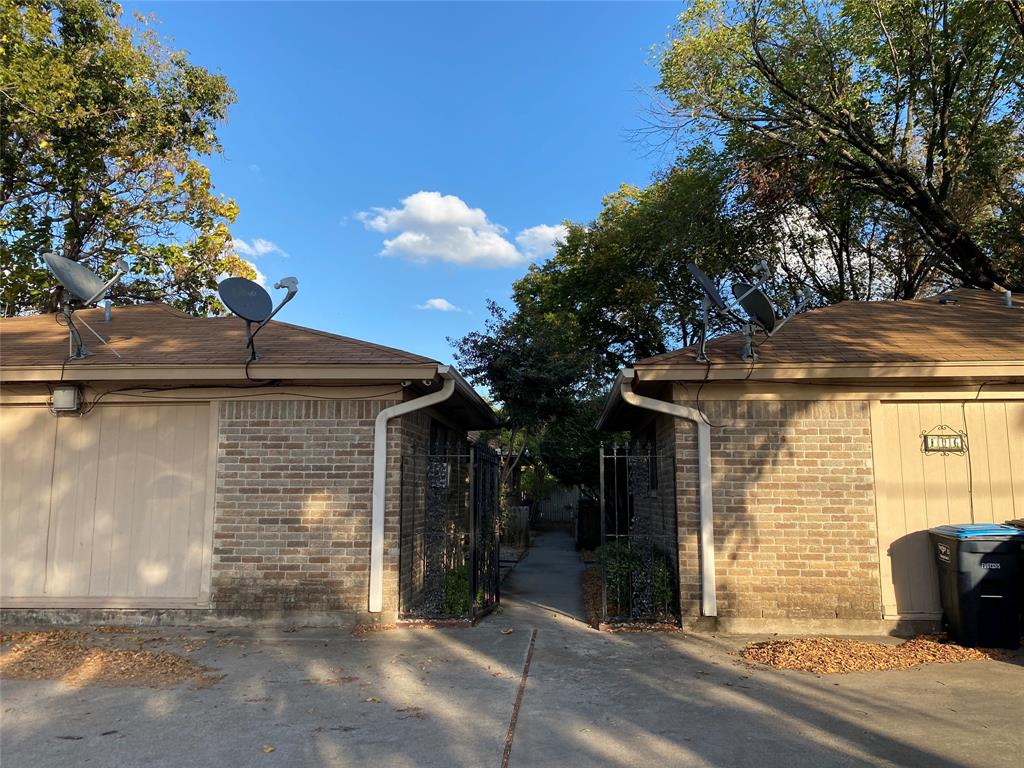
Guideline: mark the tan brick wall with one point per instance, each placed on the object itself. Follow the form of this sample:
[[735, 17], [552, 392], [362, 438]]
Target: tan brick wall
[[795, 529], [293, 505]]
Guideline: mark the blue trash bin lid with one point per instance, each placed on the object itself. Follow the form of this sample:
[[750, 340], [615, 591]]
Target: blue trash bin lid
[[977, 531]]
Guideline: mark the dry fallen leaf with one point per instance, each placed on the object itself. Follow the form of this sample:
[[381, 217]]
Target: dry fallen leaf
[[71, 656], [507, 631], [835, 655], [267, 748]]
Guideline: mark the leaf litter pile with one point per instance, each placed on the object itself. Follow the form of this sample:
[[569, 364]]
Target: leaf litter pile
[[74, 658], [837, 656]]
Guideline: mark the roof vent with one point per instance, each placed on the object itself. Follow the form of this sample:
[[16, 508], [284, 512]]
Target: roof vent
[[1008, 298]]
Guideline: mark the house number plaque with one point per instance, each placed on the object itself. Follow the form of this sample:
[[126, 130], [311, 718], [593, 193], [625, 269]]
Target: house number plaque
[[944, 440]]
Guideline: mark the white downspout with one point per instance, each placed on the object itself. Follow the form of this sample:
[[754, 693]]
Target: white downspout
[[380, 473], [708, 601]]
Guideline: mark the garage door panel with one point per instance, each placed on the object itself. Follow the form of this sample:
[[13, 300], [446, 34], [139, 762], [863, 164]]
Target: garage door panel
[[127, 509]]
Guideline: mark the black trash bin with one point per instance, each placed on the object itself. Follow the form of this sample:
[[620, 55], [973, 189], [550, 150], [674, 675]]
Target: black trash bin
[[980, 582]]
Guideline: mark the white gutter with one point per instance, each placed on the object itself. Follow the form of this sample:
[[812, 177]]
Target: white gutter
[[380, 472], [708, 601]]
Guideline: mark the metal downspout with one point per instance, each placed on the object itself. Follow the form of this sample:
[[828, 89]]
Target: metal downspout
[[708, 600], [380, 472]]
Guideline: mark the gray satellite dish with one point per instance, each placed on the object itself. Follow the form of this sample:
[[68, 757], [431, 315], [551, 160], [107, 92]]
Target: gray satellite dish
[[82, 287], [80, 281], [707, 286], [251, 302], [756, 304], [247, 299]]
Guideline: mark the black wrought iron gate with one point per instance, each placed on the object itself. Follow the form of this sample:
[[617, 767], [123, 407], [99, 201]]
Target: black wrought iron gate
[[639, 552], [449, 556]]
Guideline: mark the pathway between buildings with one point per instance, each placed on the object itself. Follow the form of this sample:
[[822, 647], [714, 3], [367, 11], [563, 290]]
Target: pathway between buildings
[[548, 580]]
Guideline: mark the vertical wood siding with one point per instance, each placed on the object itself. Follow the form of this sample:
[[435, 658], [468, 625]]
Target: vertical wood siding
[[113, 504], [916, 491]]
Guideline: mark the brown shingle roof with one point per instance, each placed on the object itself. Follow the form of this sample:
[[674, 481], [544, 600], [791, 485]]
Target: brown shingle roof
[[159, 335], [973, 326]]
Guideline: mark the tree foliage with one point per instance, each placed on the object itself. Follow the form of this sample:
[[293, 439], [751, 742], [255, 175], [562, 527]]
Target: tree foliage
[[919, 105], [863, 149], [616, 290], [618, 286], [102, 128]]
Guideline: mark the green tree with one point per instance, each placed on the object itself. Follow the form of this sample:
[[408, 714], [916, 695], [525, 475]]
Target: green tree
[[918, 103], [102, 129], [616, 290], [619, 286], [569, 446]]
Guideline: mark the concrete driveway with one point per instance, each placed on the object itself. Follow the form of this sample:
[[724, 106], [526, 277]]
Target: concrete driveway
[[445, 697]]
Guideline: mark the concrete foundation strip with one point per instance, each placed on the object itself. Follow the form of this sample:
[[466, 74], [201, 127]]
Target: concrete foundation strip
[[519, 702]]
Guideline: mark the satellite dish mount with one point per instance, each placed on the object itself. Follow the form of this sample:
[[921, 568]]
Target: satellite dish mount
[[81, 287], [760, 313], [251, 302]]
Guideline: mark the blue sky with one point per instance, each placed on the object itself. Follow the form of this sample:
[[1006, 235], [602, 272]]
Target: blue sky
[[509, 118]]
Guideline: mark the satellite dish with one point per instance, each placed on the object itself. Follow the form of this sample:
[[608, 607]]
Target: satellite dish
[[756, 304], [707, 286], [82, 287], [80, 281], [251, 302], [247, 299]]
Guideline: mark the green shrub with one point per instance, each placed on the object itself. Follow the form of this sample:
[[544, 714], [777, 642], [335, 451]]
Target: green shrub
[[456, 591], [623, 564]]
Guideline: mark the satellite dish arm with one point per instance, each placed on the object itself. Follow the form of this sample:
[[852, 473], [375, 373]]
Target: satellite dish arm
[[121, 271], [805, 298], [293, 287]]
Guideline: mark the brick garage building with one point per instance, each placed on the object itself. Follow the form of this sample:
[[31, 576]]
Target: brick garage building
[[822, 485], [184, 489]]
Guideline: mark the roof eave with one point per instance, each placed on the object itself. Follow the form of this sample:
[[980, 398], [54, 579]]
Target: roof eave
[[614, 402], [332, 373], [488, 419], [740, 370]]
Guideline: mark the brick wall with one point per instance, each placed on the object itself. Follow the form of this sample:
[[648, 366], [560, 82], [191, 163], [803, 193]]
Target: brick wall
[[293, 508], [795, 530]]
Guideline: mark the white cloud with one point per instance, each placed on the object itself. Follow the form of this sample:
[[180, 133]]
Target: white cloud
[[255, 249], [441, 305], [259, 278], [430, 226], [540, 241]]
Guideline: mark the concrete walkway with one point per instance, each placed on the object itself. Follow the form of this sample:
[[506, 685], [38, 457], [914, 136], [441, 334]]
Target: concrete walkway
[[547, 580], [446, 698]]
